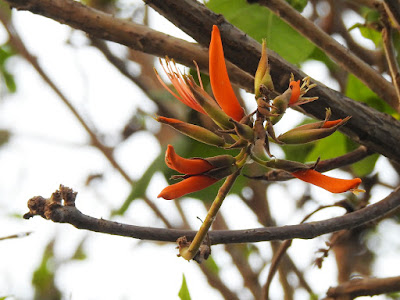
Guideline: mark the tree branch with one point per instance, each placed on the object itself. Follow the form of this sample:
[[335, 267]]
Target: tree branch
[[138, 37], [364, 287], [342, 56], [60, 208]]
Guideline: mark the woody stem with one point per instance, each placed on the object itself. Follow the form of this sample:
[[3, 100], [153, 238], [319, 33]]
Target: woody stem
[[190, 252]]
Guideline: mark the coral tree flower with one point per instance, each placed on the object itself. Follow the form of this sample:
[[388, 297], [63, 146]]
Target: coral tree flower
[[220, 84], [298, 91], [194, 178], [331, 184], [311, 132], [178, 81]]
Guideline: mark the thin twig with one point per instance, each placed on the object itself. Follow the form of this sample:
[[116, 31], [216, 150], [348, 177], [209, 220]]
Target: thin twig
[[393, 9], [391, 57], [278, 255], [15, 236]]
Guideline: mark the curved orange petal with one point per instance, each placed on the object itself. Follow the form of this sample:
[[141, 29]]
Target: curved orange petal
[[186, 186], [179, 83], [333, 185], [184, 165], [329, 124], [168, 120], [220, 84], [295, 86]]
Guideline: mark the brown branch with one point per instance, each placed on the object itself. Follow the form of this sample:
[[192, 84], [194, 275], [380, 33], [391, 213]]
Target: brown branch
[[342, 56], [393, 8], [364, 287], [387, 38], [138, 37], [65, 211], [15, 236]]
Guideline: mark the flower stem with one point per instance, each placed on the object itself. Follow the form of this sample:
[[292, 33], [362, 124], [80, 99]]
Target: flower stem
[[189, 252]]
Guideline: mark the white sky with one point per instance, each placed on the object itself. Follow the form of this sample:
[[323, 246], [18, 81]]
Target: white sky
[[46, 150]]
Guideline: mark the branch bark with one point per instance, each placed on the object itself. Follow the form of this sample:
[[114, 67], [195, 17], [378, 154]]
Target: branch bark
[[138, 37], [364, 287], [60, 208]]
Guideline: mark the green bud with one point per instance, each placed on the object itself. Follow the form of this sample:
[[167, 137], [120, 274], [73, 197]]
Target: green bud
[[198, 133], [287, 165], [311, 132], [263, 76]]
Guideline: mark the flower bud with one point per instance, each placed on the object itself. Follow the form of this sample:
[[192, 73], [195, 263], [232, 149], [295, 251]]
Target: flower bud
[[311, 132], [280, 104], [195, 132], [263, 76], [210, 107], [287, 165], [244, 131]]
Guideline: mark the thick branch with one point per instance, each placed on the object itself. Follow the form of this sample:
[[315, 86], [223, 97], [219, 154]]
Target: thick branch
[[365, 287], [138, 37], [65, 212]]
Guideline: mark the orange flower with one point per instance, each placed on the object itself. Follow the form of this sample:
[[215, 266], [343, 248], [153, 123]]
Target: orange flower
[[179, 83], [184, 165], [333, 185], [194, 178], [295, 87], [220, 84], [312, 132], [186, 186], [298, 91]]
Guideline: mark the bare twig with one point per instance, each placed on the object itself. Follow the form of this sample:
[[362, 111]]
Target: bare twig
[[138, 37], [391, 58], [278, 255], [52, 209], [15, 236], [393, 8]]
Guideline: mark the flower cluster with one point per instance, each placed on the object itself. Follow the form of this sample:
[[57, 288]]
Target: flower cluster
[[251, 133]]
